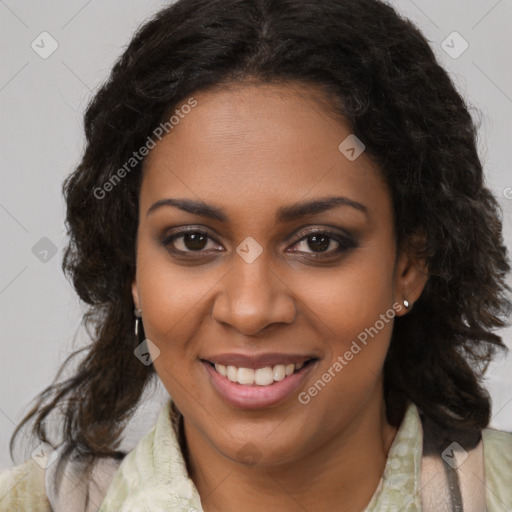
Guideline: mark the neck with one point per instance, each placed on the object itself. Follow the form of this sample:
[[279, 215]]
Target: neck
[[346, 469]]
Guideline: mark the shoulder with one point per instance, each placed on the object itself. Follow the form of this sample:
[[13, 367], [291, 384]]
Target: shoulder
[[497, 446], [22, 488]]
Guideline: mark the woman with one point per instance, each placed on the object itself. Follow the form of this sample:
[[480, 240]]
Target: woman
[[280, 214]]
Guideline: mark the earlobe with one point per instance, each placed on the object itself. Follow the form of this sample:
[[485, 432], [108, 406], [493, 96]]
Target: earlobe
[[411, 276], [135, 294]]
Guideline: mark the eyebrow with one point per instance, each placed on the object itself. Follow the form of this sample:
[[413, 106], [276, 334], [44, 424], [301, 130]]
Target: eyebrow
[[284, 214]]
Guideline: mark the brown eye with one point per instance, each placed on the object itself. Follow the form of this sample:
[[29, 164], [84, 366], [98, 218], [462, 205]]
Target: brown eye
[[195, 241], [189, 242], [320, 244]]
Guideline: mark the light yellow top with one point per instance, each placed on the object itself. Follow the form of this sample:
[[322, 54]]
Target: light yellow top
[[152, 477]]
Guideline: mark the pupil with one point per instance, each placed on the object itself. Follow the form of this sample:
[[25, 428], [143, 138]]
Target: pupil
[[318, 243], [195, 241]]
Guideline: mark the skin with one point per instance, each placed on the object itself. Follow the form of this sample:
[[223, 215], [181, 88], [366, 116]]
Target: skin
[[250, 149]]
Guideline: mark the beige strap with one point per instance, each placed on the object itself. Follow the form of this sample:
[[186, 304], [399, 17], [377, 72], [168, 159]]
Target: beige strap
[[472, 480], [71, 495], [455, 481]]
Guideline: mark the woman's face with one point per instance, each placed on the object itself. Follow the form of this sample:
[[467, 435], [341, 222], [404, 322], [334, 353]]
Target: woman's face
[[278, 251]]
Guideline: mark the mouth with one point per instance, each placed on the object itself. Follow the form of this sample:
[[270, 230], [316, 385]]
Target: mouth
[[264, 376], [266, 384]]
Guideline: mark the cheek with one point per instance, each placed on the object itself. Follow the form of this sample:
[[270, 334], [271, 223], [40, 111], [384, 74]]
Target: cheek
[[170, 301], [353, 311], [351, 298], [171, 295]]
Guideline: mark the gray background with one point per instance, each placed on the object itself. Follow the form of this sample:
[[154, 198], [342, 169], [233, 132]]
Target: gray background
[[41, 140]]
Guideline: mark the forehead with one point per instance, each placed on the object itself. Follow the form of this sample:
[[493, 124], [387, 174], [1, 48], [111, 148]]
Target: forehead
[[257, 147]]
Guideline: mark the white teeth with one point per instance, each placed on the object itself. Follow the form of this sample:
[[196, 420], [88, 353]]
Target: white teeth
[[231, 373], [264, 376], [221, 369], [261, 377], [246, 376], [279, 372]]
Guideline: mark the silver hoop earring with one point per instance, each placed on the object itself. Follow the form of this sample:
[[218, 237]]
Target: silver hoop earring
[[138, 315], [406, 304]]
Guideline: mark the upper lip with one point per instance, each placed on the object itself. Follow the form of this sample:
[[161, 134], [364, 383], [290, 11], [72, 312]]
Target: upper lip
[[257, 360]]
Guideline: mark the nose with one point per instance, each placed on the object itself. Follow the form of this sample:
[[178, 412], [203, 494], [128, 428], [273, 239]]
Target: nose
[[252, 297]]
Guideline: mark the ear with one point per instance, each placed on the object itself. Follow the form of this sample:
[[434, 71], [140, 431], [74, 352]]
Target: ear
[[411, 276], [135, 294]]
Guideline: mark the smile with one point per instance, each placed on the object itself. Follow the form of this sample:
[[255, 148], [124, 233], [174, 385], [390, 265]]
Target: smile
[[265, 385], [260, 376]]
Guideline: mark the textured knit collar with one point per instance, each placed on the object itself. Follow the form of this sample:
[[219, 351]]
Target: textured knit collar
[[153, 476]]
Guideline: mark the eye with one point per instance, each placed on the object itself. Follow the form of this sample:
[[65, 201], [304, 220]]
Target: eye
[[324, 244], [189, 241], [315, 243]]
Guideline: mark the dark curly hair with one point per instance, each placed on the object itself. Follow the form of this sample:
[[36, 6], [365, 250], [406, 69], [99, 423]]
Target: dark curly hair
[[378, 72]]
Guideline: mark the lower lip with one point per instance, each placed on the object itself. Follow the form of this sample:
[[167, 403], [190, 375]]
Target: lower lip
[[256, 397]]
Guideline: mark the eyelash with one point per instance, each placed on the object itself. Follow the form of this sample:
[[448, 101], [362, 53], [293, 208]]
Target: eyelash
[[345, 243]]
